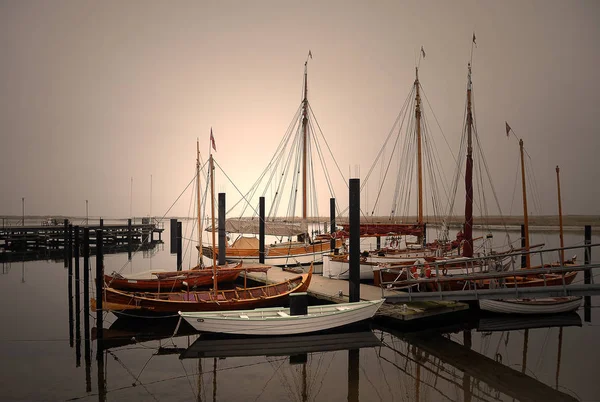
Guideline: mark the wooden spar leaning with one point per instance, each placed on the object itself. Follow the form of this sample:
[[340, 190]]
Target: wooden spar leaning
[[525, 215], [560, 221], [198, 202]]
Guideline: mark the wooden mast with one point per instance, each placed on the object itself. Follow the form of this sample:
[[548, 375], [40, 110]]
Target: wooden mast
[[304, 140], [525, 215], [212, 211], [419, 153], [468, 230], [560, 220], [199, 212]]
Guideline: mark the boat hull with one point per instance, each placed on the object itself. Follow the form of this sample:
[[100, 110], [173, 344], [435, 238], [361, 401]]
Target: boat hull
[[550, 305], [278, 321]]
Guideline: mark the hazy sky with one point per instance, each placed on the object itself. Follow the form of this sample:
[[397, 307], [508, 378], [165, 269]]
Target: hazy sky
[[95, 93]]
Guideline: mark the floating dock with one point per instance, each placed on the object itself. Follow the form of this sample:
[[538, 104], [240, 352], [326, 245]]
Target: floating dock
[[337, 291]]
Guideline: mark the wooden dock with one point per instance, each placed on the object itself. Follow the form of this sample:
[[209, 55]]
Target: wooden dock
[[337, 291]]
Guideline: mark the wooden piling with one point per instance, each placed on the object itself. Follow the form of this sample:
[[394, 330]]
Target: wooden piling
[[222, 234], [179, 242], [65, 242], [70, 284], [129, 239], [587, 274], [173, 233], [77, 301], [354, 218], [86, 294], [99, 292], [261, 230]]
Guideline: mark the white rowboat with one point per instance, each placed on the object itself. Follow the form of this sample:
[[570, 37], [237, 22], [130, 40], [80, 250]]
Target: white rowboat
[[548, 305], [278, 321]]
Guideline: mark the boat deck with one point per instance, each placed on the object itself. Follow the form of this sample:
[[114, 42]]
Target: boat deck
[[337, 291]]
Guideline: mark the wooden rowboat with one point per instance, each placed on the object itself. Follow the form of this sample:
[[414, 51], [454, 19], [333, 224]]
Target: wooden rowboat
[[230, 299], [279, 321], [176, 280]]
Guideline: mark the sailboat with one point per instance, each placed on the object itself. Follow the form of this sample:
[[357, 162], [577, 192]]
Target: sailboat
[[294, 244], [198, 276]]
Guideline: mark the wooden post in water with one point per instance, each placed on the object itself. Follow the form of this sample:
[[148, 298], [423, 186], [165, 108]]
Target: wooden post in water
[[354, 215], [129, 239], [70, 279], [261, 230], [173, 232], [86, 293], [179, 246], [77, 302], [587, 275], [222, 234], [65, 243], [99, 292], [332, 229]]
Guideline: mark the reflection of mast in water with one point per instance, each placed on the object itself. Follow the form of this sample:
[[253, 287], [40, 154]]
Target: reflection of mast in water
[[467, 342], [525, 344], [101, 380], [560, 330]]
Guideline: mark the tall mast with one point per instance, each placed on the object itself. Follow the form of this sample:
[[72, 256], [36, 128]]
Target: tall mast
[[419, 154], [212, 212], [468, 230], [198, 201], [525, 216], [304, 139], [560, 220]]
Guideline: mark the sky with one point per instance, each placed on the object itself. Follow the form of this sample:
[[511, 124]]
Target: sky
[[104, 101]]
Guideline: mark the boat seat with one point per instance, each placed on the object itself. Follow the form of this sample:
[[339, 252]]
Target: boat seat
[[283, 314]]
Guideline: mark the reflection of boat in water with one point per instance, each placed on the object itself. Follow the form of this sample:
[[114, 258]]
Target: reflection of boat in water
[[210, 345], [281, 320], [516, 322]]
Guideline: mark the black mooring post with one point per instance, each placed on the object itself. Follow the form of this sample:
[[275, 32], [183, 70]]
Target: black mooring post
[[173, 233], [99, 292], [86, 294], [353, 372], [129, 239], [70, 284], [77, 302], [70, 249], [587, 275], [354, 217], [222, 238], [333, 227], [523, 256], [65, 243], [378, 243], [101, 223], [179, 242], [261, 230]]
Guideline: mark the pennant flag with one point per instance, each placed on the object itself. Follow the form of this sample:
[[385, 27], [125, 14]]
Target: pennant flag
[[475, 43], [422, 52], [507, 128], [212, 140], [309, 54]]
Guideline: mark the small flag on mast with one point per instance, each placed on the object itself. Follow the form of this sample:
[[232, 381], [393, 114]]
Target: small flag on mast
[[422, 52], [507, 128], [309, 54], [212, 140], [475, 43]]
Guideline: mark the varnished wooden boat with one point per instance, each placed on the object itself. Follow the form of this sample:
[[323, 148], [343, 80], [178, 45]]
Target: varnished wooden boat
[[208, 300], [176, 280]]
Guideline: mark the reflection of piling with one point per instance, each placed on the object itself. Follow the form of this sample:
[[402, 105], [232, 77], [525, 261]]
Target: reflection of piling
[[587, 274], [354, 217], [70, 284], [179, 242], [333, 226], [221, 228], [99, 292], [77, 302], [86, 308], [261, 230], [101, 378], [353, 373]]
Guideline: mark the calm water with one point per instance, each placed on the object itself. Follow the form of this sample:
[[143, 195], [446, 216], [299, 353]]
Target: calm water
[[470, 359]]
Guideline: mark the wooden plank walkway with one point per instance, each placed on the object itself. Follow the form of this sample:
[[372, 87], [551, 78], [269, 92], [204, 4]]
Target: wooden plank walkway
[[338, 290]]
